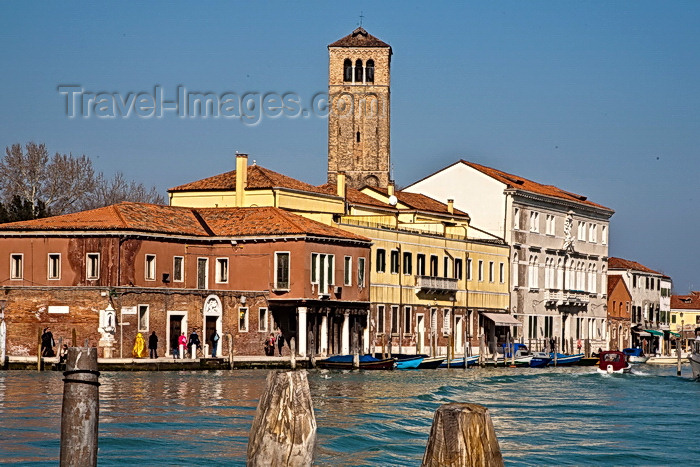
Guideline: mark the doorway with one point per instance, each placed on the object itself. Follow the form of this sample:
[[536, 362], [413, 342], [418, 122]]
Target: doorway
[[176, 325]]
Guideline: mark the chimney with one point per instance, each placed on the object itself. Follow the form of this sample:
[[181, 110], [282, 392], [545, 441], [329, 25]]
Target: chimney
[[241, 178], [340, 184], [451, 206], [390, 188]]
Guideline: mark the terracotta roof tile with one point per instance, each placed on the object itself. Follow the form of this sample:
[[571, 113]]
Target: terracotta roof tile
[[420, 202], [612, 283], [359, 38], [686, 302], [354, 195], [258, 177], [153, 218], [523, 184], [619, 263]]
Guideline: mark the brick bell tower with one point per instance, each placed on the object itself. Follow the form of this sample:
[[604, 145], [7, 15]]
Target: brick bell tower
[[359, 111]]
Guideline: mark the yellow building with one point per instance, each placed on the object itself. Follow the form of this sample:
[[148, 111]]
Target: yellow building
[[685, 314]]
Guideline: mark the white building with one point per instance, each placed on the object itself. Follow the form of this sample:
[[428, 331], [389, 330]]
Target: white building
[[559, 248]]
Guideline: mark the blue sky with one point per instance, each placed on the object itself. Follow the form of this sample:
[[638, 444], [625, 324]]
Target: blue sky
[[599, 98]]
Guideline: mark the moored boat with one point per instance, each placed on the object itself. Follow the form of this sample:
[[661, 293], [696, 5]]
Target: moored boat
[[409, 362], [431, 362], [367, 362], [694, 359], [635, 355], [613, 361], [540, 359], [461, 361], [565, 360]]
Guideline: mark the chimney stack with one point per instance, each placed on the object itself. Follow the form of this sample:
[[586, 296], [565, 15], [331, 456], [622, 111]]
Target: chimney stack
[[451, 206], [390, 188], [340, 184], [241, 178]]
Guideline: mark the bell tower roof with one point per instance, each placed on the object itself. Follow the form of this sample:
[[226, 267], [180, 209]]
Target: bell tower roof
[[360, 38]]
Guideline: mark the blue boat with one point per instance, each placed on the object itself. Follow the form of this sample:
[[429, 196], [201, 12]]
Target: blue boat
[[459, 362], [565, 360], [409, 363], [540, 359], [367, 362], [635, 355]]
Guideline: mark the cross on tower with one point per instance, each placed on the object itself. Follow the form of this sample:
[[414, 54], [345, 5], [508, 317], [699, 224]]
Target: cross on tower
[[361, 18]]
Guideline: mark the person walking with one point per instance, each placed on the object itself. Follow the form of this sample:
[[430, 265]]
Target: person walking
[[182, 343], [214, 342], [270, 346], [153, 345], [47, 343], [280, 342]]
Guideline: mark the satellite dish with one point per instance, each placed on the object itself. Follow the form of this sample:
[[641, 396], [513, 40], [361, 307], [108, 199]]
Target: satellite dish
[[393, 200]]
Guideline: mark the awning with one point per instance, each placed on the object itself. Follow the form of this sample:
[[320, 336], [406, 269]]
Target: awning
[[674, 334], [654, 332], [641, 333], [502, 319]]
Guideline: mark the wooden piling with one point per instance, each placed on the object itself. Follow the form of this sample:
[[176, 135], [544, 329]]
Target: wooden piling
[[81, 405], [284, 430], [230, 351], [462, 435], [74, 342], [38, 353], [312, 349], [293, 353], [384, 346], [678, 353]]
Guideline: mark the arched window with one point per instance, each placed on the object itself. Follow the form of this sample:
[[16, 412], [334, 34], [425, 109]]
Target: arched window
[[514, 270], [347, 70], [560, 276], [357, 136], [369, 72], [358, 71]]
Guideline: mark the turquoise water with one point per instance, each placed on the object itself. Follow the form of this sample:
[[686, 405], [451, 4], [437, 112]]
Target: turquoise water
[[542, 417]]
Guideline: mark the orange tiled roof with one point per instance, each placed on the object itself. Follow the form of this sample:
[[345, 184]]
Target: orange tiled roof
[[523, 184], [153, 218], [258, 177], [354, 195], [612, 283], [686, 302], [420, 202], [619, 263], [359, 38]]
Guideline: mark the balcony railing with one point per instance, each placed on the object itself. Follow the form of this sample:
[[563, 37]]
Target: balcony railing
[[565, 297], [437, 284]]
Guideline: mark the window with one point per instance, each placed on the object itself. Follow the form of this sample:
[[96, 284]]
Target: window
[[281, 270], [143, 318], [243, 318], [361, 272], [592, 232], [16, 266], [369, 71], [534, 221], [202, 273], [516, 219], [394, 319], [150, 267], [407, 263], [93, 266], [347, 70], [445, 266], [221, 270], [380, 319], [582, 231], [420, 264], [514, 270], [604, 235], [381, 260], [533, 273], [394, 261], [458, 269], [491, 272], [54, 266], [358, 71], [481, 270], [532, 327], [446, 321], [433, 265], [551, 224], [262, 320], [357, 136], [548, 326], [323, 271], [673, 319], [469, 269], [501, 273], [347, 271], [407, 328], [178, 269]]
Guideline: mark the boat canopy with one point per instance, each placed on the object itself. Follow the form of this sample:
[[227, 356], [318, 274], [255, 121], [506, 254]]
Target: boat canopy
[[674, 334], [502, 319], [633, 352], [654, 332]]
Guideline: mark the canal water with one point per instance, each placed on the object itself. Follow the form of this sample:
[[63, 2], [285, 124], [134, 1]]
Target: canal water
[[542, 417]]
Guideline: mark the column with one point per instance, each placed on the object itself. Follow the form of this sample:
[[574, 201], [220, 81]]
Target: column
[[345, 336], [301, 331], [324, 335]]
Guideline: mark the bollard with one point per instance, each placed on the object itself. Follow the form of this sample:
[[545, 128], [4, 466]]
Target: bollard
[[293, 353], [181, 351], [284, 430], [81, 407], [462, 435], [193, 351]]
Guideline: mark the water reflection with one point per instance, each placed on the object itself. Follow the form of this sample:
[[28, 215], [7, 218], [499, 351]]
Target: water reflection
[[365, 418]]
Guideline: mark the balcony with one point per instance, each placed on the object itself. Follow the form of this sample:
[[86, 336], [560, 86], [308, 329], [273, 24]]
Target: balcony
[[566, 298], [436, 284]]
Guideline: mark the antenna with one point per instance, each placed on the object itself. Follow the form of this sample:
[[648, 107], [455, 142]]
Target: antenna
[[361, 18]]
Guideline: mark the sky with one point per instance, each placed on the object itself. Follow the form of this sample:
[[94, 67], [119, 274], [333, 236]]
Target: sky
[[598, 98]]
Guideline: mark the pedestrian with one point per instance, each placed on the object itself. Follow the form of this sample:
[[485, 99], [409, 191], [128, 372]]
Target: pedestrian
[[174, 345], [182, 343], [578, 345], [280, 342], [63, 354], [194, 340], [139, 350], [214, 342], [47, 343], [270, 345], [153, 345]]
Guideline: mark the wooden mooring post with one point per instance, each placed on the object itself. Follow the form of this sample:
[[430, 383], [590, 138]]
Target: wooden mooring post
[[462, 435], [293, 353], [284, 430], [230, 351], [81, 407]]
